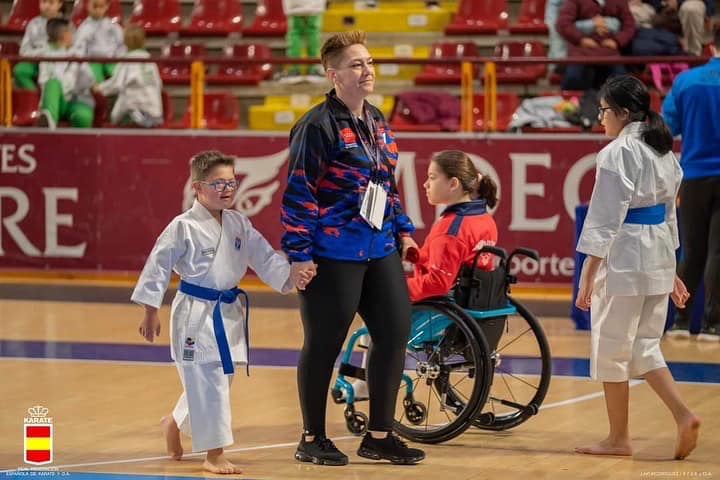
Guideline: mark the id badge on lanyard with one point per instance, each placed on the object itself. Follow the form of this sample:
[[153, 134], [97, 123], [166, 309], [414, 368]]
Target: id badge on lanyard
[[372, 209], [373, 205]]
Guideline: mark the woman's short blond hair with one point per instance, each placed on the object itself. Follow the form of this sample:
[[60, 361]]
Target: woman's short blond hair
[[334, 46], [134, 37]]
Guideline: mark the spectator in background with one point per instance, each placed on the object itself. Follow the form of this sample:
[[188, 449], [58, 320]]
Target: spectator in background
[[137, 85], [558, 46], [99, 36], [65, 86], [304, 19], [691, 110], [602, 42], [695, 18], [34, 42]]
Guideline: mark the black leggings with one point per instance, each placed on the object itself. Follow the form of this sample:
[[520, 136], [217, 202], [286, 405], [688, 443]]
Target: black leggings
[[700, 233], [377, 291]]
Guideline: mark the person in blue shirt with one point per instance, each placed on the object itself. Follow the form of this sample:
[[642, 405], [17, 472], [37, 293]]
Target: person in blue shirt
[[691, 110]]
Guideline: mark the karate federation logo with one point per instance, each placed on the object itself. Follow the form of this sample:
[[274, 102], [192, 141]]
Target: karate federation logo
[[38, 436], [238, 243]]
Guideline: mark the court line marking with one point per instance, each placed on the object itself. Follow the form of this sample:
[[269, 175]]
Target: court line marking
[[581, 398], [561, 403]]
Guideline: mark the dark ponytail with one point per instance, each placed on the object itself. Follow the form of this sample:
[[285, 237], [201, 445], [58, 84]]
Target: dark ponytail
[[657, 134], [629, 93], [487, 189]]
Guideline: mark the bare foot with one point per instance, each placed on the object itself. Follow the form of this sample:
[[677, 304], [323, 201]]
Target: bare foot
[[217, 463], [688, 430], [172, 437], [606, 447]]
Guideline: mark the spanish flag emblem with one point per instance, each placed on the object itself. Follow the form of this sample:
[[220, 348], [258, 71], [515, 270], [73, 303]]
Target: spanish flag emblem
[[38, 444]]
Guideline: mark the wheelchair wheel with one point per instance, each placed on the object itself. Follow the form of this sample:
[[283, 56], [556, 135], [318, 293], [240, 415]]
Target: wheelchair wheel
[[522, 371], [446, 377]]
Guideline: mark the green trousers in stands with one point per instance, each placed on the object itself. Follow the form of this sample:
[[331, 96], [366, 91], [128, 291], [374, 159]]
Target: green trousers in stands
[[25, 74], [53, 100], [102, 71], [303, 29]]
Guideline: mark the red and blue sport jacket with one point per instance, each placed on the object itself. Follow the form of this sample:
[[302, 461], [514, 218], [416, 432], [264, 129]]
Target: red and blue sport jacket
[[328, 174]]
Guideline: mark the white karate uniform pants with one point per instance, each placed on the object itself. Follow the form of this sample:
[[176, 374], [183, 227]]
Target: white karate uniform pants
[[203, 410], [625, 334]]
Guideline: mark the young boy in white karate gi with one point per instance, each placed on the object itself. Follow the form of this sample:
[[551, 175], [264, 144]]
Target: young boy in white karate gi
[[34, 42], [630, 236], [137, 85], [99, 36], [65, 86], [210, 247]]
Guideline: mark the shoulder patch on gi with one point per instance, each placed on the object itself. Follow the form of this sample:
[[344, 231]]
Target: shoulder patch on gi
[[238, 243]]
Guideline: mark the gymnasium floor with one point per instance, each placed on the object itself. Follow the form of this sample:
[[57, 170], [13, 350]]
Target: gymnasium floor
[[73, 348]]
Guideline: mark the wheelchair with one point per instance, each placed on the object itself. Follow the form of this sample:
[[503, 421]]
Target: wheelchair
[[476, 357]]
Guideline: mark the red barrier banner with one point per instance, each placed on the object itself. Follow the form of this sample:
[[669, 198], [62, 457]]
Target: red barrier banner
[[97, 201]]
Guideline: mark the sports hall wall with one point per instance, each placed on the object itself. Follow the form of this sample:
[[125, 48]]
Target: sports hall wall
[[96, 202]]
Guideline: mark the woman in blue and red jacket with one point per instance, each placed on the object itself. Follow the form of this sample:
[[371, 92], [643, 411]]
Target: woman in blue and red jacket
[[463, 228], [344, 254]]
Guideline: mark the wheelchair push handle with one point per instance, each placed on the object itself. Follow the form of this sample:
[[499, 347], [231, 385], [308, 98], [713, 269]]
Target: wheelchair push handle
[[528, 252], [498, 251]]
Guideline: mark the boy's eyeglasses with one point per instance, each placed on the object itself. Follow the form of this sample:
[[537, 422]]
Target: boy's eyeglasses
[[220, 185]]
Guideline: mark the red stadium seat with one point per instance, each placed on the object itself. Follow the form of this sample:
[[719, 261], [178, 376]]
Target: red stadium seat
[[531, 18], [9, 48], [214, 18], [443, 74], [221, 112], [243, 74], [177, 72], [269, 20], [401, 120], [507, 103], [156, 17], [80, 12], [518, 73], [25, 103], [478, 17], [21, 12]]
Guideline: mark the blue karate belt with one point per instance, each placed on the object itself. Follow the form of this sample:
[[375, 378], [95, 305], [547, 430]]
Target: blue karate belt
[[652, 215], [221, 296]]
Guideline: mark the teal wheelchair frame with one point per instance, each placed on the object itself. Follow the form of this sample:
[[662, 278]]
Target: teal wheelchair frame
[[483, 367]]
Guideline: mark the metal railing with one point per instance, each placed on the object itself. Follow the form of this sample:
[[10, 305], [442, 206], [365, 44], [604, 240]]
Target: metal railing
[[197, 76]]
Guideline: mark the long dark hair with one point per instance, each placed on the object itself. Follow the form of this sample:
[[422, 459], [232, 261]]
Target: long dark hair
[[455, 163], [626, 92]]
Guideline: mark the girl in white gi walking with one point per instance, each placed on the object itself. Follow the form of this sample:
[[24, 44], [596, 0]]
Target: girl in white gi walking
[[210, 247], [630, 236]]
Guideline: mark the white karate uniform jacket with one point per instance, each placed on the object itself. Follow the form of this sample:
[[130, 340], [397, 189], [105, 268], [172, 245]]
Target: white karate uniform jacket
[[207, 254], [640, 259], [303, 7], [99, 38], [138, 87], [35, 38], [76, 77]]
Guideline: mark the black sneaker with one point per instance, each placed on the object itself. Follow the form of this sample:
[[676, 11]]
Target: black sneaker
[[679, 329], [320, 451], [389, 448], [709, 333]]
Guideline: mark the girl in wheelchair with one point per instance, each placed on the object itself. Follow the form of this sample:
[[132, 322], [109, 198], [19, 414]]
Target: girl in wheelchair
[[464, 226]]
